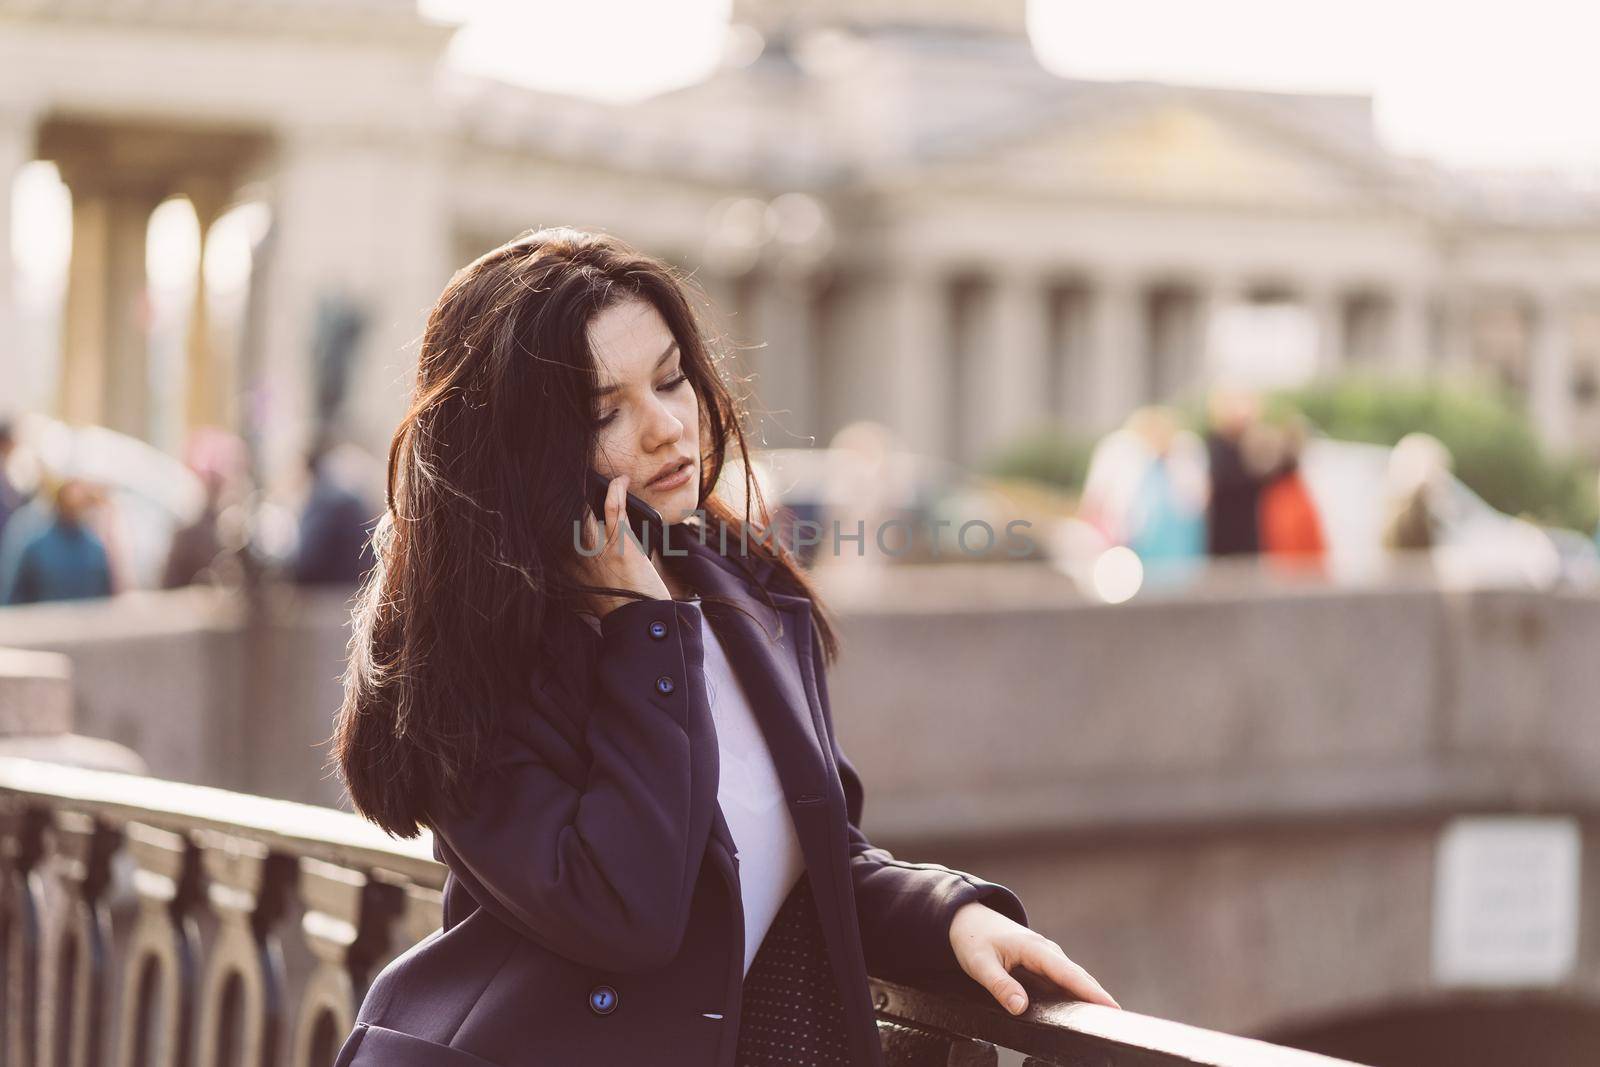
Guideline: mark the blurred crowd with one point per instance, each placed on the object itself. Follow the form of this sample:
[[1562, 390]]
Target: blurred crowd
[[1254, 484], [1177, 498], [1166, 498], [72, 528]]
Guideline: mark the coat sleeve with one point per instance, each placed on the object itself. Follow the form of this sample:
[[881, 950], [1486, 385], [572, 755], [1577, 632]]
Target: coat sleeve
[[604, 873], [904, 909]]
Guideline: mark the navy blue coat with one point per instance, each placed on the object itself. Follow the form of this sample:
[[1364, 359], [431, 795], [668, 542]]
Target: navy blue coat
[[592, 911]]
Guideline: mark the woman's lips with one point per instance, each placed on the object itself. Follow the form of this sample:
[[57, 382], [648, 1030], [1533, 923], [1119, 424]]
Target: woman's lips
[[674, 480]]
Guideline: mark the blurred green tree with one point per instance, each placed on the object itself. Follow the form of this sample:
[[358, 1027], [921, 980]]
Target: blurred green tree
[[1496, 449], [1048, 454]]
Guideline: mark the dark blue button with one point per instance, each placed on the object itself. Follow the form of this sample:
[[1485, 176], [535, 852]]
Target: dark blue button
[[658, 629], [603, 999], [665, 683]]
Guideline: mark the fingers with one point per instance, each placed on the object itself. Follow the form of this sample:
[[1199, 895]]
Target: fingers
[[989, 973], [600, 530], [593, 533], [616, 495], [1044, 957]]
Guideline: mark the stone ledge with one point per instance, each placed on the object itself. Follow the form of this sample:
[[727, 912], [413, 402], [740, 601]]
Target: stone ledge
[[76, 750], [35, 693], [36, 716]]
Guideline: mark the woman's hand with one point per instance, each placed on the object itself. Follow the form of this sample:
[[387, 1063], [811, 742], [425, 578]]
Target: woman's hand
[[621, 563], [988, 945]]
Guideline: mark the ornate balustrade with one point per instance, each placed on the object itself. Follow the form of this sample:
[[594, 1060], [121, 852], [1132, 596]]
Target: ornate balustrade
[[150, 922]]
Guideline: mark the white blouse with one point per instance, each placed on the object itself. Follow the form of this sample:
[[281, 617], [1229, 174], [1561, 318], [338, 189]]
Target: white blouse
[[751, 797]]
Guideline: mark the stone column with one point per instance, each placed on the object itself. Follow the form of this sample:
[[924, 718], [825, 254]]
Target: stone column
[[917, 384], [720, 318], [127, 349], [722, 292], [785, 365], [209, 388], [1069, 354], [16, 148], [81, 382], [1213, 295], [305, 258], [1410, 340], [1015, 336], [1325, 303], [1456, 350], [1193, 373], [105, 363], [359, 224], [1550, 368], [1118, 371]]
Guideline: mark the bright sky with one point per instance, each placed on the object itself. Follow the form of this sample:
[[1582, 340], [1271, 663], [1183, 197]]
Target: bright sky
[[1491, 83]]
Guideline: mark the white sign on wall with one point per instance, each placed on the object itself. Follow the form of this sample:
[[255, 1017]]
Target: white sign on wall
[[1506, 897]]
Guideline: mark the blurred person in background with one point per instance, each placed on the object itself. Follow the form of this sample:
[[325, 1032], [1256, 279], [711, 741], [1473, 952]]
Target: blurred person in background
[[1167, 516], [66, 560], [218, 459], [1236, 469], [29, 517], [106, 519], [1111, 482], [1416, 484], [1291, 529], [336, 521], [11, 497]]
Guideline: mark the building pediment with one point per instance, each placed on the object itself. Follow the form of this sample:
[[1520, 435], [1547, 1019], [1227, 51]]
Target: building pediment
[[1173, 148]]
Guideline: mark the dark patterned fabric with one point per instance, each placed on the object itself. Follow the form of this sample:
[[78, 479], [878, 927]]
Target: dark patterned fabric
[[792, 1015]]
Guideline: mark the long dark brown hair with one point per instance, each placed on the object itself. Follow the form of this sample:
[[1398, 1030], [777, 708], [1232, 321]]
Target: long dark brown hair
[[486, 479]]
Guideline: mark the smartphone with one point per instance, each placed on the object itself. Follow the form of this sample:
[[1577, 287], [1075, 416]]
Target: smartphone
[[646, 522]]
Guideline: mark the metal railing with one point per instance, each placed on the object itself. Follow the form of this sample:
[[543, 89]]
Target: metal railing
[[248, 928]]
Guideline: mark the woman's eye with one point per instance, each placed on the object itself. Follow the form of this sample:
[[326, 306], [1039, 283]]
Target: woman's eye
[[671, 383]]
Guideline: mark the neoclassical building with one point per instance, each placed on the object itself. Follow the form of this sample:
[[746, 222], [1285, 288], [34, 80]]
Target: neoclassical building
[[900, 214]]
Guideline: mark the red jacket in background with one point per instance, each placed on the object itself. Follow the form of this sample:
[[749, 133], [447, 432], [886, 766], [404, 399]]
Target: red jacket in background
[[1291, 530]]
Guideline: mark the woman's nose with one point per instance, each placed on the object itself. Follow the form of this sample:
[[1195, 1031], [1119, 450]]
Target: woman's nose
[[661, 427]]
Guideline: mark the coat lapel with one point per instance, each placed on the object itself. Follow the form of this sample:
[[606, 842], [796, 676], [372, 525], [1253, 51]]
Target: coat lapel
[[764, 651], [776, 673]]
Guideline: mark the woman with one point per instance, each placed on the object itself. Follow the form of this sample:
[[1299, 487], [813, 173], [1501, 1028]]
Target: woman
[[627, 759]]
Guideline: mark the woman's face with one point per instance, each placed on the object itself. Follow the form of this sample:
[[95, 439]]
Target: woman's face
[[647, 414]]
